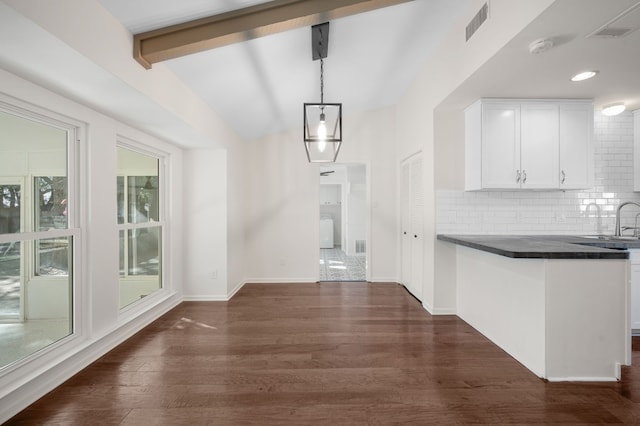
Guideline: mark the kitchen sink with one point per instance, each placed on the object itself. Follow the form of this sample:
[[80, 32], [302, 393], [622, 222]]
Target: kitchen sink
[[622, 242], [611, 237]]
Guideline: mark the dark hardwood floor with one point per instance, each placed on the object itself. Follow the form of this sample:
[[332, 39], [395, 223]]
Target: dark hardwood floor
[[330, 353]]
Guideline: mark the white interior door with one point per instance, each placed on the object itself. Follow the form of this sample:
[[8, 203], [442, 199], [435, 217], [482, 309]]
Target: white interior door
[[412, 218], [417, 219], [405, 206]]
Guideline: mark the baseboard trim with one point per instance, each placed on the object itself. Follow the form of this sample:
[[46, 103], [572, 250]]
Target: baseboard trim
[[438, 311], [305, 280], [582, 379], [237, 288], [206, 298]]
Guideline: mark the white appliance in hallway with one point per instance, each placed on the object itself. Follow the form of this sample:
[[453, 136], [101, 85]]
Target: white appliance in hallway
[[326, 231]]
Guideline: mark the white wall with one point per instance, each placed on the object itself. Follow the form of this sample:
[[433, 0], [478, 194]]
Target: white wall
[[281, 201], [454, 62], [236, 171], [281, 211], [206, 228]]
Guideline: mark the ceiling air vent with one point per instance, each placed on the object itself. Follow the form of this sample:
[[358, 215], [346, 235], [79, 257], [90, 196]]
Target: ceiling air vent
[[477, 20], [620, 26]]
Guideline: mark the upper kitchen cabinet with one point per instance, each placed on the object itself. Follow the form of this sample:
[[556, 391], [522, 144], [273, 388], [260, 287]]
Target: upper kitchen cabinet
[[576, 145], [528, 144]]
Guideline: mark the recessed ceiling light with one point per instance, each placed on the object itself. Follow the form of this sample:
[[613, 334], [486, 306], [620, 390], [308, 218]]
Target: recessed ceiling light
[[613, 109], [585, 75]]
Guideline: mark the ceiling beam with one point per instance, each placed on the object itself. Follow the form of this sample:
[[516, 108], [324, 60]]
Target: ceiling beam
[[243, 24]]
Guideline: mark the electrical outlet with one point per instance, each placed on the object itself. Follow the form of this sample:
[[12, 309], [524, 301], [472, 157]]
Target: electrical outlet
[[214, 275]]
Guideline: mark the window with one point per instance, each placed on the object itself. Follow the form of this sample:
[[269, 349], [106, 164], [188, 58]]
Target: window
[[38, 231], [140, 225]]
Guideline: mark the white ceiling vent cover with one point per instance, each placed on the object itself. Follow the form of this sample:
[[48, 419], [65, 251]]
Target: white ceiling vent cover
[[477, 20], [620, 26]]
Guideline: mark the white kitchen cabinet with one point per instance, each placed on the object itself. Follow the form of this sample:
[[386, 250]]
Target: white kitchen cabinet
[[636, 150], [330, 194], [539, 146], [576, 145], [500, 153], [527, 144]]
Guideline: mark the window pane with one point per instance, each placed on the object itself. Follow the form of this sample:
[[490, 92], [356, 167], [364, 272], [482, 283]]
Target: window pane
[[52, 257], [143, 199], [10, 209], [143, 260], [48, 309], [144, 251], [122, 253], [121, 207], [51, 205], [10, 280]]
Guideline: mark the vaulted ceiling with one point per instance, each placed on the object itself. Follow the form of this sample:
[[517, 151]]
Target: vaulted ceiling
[[258, 86]]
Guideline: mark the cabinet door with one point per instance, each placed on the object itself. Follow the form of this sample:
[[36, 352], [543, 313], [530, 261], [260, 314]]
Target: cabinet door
[[576, 148], [539, 145], [500, 145]]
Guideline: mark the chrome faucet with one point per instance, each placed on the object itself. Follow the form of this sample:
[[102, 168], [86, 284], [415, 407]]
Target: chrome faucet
[[617, 231]]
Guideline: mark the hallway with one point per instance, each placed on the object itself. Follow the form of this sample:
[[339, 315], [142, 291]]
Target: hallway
[[329, 353]]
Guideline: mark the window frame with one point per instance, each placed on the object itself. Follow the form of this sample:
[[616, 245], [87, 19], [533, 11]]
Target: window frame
[[77, 190]]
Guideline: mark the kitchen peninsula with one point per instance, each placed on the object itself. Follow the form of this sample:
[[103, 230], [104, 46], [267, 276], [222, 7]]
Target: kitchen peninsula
[[557, 304]]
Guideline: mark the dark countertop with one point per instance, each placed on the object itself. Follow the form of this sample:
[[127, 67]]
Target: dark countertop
[[547, 246]]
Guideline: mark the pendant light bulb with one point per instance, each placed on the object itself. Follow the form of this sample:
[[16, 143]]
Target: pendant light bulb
[[322, 133]]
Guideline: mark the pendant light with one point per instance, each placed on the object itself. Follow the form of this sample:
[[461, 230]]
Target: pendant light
[[322, 121]]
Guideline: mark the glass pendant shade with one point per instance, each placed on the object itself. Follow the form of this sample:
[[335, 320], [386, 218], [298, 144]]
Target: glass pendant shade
[[322, 131]]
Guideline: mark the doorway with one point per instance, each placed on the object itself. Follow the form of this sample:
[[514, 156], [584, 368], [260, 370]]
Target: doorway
[[343, 222]]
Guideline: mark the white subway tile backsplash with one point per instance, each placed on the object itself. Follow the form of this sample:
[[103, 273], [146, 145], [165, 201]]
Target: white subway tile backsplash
[[553, 212]]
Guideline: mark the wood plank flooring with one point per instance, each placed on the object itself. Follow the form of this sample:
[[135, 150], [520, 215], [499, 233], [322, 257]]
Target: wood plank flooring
[[330, 353]]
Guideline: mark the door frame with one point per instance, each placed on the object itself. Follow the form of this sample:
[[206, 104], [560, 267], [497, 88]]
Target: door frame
[[368, 208]]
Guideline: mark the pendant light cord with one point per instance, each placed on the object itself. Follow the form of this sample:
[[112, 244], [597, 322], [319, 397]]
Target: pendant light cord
[[320, 43], [321, 80]]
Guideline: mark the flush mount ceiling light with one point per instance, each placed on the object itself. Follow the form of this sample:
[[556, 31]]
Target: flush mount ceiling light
[[613, 109], [322, 121], [584, 75]]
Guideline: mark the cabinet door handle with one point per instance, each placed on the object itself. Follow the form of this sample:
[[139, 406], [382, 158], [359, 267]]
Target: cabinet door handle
[[563, 176], [518, 176], [524, 176], [415, 236], [405, 232]]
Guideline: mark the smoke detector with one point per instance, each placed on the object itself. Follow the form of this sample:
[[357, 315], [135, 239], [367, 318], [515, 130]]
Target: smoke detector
[[540, 46]]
